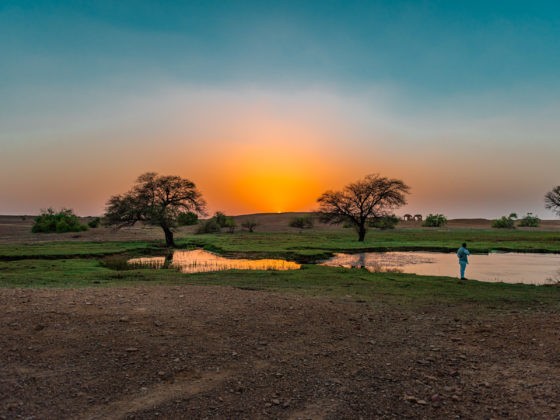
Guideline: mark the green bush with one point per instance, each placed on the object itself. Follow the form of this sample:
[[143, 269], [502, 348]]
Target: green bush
[[435, 220], [529, 221], [384, 222], [208, 226], [63, 221], [304, 222], [221, 219], [94, 223], [187, 219], [117, 262], [230, 224], [505, 222], [249, 224]]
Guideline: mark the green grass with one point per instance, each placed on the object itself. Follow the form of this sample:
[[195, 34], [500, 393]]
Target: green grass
[[70, 249], [312, 244], [358, 285], [384, 287], [308, 245], [80, 264]]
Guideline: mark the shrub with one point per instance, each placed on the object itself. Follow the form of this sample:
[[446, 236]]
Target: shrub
[[304, 222], [187, 219], [505, 222], [208, 226], [384, 222], [249, 224], [117, 262], [529, 221], [435, 220], [94, 223], [230, 224], [221, 219], [63, 221]]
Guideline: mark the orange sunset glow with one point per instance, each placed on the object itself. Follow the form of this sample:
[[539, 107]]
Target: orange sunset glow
[[265, 113]]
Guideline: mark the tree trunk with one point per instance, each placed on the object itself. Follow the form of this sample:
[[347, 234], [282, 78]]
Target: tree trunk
[[361, 232], [168, 237], [168, 260]]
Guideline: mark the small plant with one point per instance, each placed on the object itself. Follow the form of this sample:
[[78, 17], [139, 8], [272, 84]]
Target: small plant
[[187, 219], [435, 220], [116, 262], [304, 222], [208, 226], [230, 224], [529, 221], [221, 219], [505, 222], [384, 222], [62, 221], [249, 224], [95, 222]]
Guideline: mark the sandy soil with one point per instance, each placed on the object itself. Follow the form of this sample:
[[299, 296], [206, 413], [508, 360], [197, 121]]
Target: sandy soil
[[219, 352]]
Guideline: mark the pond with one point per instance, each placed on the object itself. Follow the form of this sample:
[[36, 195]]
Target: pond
[[508, 267], [200, 261]]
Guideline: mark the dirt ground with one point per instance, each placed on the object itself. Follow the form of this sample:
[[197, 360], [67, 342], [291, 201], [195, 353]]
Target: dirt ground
[[217, 352]]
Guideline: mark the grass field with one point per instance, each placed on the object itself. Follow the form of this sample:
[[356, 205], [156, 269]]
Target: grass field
[[310, 280], [80, 263]]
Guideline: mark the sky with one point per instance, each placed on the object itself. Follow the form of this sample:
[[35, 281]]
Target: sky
[[265, 105]]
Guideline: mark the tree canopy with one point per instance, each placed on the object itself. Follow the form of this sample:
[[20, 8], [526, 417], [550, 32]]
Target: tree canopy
[[362, 201], [552, 200], [156, 200]]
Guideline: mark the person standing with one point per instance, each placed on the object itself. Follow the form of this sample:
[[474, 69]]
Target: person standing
[[463, 254]]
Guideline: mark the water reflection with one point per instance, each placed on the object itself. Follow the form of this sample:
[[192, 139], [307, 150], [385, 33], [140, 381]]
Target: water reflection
[[199, 261], [495, 267]]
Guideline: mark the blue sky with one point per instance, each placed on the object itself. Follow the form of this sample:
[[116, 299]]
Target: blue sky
[[459, 99]]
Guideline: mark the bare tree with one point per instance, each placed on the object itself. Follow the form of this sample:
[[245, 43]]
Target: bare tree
[[156, 200], [362, 201], [552, 200]]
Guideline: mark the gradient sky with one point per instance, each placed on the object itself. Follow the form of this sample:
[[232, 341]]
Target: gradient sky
[[267, 104]]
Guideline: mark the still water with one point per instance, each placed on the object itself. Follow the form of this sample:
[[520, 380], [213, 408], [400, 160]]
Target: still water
[[199, 261], [494, 267]]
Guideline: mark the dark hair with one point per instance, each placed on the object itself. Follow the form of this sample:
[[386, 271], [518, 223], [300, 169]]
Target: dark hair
[[464, 245]]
